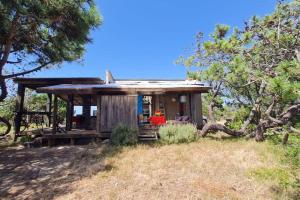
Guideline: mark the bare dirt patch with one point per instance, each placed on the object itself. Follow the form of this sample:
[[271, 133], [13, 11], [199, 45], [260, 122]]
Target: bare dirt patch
[[45, 173]]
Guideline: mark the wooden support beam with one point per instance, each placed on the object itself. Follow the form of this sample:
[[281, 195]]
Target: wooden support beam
[[86, 111], [49, 109], [35, 113], [98, 120], [72, 141], [19, 108], [51, 142], [55, 109], [156, 102], [197, 110], [190, 106], [70, 112]]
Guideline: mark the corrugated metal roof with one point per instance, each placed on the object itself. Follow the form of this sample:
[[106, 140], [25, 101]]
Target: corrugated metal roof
[[132, 84]]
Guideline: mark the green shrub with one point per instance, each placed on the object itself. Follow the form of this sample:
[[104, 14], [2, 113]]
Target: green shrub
[[25, 138], [279, 175], [123, 135], [181, 133]]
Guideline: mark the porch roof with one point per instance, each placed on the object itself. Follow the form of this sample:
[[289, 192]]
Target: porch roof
[[34, 83], [129, 86]]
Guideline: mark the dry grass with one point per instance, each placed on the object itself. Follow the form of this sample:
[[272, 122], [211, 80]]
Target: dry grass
[[207, 169], [203, 170]]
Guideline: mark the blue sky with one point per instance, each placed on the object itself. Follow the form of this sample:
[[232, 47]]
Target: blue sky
[[143, 38]]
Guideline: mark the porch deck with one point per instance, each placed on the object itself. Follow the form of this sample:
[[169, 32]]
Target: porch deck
[[72, 135]]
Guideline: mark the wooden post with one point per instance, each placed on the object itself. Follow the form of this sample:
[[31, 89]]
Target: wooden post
[[197, 109], [49, 109], [86, 111], [19, 108], [70, 112], [98, 120], [190, 106], [54, 121], [72, 141]]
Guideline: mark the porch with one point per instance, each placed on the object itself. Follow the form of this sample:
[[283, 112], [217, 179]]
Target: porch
[[71, 137]]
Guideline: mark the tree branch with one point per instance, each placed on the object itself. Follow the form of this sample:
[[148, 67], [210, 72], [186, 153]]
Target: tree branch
[[9, 42], [14, 62], [294, 130], [26, 72], [218, 127], [255, 107], [3, 88]]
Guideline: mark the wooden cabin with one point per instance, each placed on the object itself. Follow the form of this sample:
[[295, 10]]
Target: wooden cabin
[[130, 102]]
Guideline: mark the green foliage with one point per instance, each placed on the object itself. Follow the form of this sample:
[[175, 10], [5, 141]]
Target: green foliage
[[175, 134], [52, 31], [25, 138], [123, 135], [36, 35], [38, 102], [220, 31], [272, 174], [296, 122], [264, 52], [289, 153], [284, 177], [7, 108], [239, 117]]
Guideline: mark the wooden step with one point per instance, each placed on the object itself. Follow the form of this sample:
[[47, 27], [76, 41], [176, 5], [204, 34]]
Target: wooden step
[[147, 132], [148, 137]]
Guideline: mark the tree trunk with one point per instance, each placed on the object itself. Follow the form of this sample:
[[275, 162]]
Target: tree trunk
[[259, 132], [218, 127], [3, 95], [255, 107], [285, 138], [3, 89], [211, 116], [283, 119]]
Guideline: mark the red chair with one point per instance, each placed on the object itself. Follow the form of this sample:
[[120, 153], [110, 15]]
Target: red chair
[[157, 120]]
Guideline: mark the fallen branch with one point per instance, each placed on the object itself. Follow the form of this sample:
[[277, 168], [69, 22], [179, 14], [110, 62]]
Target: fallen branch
[[210, 127], [295, 130], [271, 122]]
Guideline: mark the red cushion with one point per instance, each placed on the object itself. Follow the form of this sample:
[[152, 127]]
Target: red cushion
[[157, 120]]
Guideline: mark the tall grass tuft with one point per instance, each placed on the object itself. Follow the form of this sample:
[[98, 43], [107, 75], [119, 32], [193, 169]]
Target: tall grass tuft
[[180, 133]]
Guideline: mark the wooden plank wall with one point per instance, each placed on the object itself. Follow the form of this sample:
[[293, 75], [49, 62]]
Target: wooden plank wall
[[115, 109]]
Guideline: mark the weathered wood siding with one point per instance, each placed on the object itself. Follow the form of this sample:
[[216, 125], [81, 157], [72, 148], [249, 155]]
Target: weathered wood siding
[[196, 107], [115, 109]]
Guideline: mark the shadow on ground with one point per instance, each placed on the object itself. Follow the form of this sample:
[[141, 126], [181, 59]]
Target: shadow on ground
[[45, 173]]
